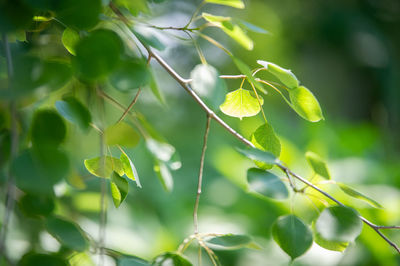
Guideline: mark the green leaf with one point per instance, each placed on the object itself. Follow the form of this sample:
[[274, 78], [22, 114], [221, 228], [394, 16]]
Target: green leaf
[[231, 242], [267, 184], [54, 74], [119, 189], [292, 235], [35, 259], [284, 75], [264, 138], [38, 170], [69, 39], [330, 245], [258, 155], [232, 30], [130, 74], [130, 169], [79, 14], [339, 223], [104, 166], [67, 233], [358, 195], [171, 259], [318, 165], [245, 70], [232, 3], [148, 38], [207, 84], [134, 7], [98, 54], [132, 261], [305, 104], [121, 134], [251, 27], [75, 112], [47, 129], [36, 205], [164, 175], [240, 103]]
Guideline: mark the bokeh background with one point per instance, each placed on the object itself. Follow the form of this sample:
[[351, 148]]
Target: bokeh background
[[346, 52]]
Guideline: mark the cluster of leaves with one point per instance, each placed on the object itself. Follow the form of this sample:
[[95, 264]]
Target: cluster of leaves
[[96, 52]]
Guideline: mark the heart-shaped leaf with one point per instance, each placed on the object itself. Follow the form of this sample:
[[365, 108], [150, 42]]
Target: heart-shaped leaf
[[266, 184], [317, 164], [264, 138], [104, 166], [240, 103]]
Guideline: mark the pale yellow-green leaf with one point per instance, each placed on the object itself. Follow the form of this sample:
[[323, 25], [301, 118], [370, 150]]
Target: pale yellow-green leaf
[[232, 3], [240, 103], [104, 166], [232, 30], [119, 188], [69, 39], [284, 75], [122, 134], [129, 168], [305, 104]]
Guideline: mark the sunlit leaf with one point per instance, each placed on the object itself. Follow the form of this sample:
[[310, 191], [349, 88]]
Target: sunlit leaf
[[264, 138], [232, 3], [130, 74], [69, 39], [292, 235], [339, 223], [164, 175], [318, 165], [67, 233], [231, 242], [171, 259], [245, 70], [240, 103], [134, 7], [34, 259], [207, 84], [36, 205], [119, 188], [75, 112], [122, 134], [79, 14], [98, 54], [305, 104], [267, 184], [129, 168], [104, 166], [284, 75], [232, 30], [48, 128], [330, 245], [258, 155], [358, 195]]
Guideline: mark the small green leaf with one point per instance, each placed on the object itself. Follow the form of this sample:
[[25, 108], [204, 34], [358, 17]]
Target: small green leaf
[[330, 245], [284, 75], [36, 205], [292, 235], [318, 165], [122, 134], [98, 54], [207, 84], [232, 3], [305, 104], [231, 242], [35, 259], [47, 129], [75, 112], [171, 259], [266, 183], [164, 175], [134, 7], [149, 39], [264, 138], [240, 103], [79, 14], [119, 188], [358, 195], [258, 155], [129, 168], [104, 166], [339, 223], [232, 30], [245, 70], [69, 39], [130, 74], [67, 233]]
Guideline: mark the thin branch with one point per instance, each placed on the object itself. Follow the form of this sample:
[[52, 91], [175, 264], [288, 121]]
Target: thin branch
[[183, 82], [200, 179], [130, 106], [10, 190]]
